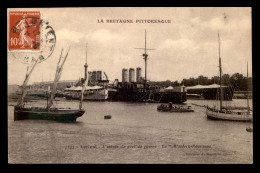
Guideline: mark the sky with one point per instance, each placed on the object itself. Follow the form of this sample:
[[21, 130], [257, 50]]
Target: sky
[[186, 47]]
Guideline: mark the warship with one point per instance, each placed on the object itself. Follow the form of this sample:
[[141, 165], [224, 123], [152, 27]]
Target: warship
[[140, 90]]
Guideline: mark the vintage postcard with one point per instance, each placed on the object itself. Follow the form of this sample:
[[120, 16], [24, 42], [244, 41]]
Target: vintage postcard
[[156, 85]]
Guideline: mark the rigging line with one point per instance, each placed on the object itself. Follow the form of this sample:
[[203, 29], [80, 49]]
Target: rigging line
[[27, 77], [161, 97], [229, 94], [142, 97]]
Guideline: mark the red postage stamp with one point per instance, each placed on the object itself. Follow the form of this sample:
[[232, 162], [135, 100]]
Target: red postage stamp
[[24, 30]]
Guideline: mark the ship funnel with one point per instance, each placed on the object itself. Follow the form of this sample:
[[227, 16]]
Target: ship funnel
[[125, 75], [131, 75], [138, 74]]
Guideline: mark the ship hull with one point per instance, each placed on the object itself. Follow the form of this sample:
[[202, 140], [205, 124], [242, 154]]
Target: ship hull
[[101, 95], [228, 117], [136, 96], [61, 115]]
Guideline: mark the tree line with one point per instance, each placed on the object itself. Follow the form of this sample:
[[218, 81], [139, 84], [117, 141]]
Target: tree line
[[237, 81]]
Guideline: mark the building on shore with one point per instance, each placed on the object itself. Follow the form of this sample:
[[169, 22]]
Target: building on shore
[[48, 84], [209, 92]]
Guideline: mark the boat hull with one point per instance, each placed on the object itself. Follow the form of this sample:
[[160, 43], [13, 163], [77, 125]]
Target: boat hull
[[61, 115], [228, 117], [168, 109], [174, 110]]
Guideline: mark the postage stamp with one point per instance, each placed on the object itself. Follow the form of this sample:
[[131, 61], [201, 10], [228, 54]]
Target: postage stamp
[[24, 30], [30, 37]]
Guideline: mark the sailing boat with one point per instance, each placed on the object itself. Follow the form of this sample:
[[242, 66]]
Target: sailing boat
[[49, 112], [223, 113]]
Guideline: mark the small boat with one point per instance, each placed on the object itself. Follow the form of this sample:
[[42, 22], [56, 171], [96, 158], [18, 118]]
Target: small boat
[[107, 116], [228, 113], [49, 112], [171, 108]]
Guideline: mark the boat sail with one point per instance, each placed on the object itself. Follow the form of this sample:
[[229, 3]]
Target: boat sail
[[26, 80], [48, 112], [57, 78], [224, 113]]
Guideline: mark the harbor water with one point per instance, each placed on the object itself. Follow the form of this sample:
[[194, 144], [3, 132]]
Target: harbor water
[[136, 133]]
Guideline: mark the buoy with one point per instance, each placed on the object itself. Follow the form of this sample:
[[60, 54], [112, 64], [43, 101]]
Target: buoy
[[107, 116], [249, 129]]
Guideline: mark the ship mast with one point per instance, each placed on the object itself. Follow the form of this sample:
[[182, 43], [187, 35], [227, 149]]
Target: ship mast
[[145, 55], [247, 88], [86, 81], [220, 74], [86, 64]]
